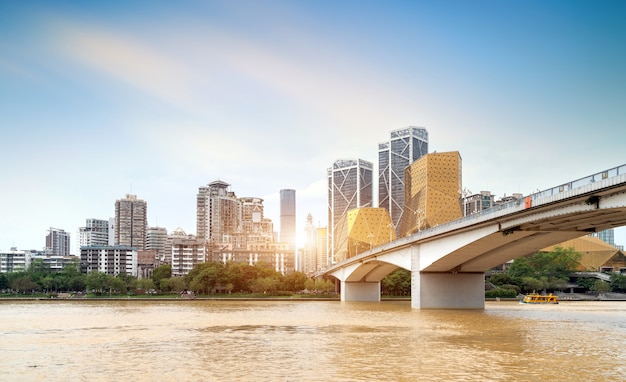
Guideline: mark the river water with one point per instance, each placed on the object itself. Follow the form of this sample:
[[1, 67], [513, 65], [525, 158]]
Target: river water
[[309, 341]]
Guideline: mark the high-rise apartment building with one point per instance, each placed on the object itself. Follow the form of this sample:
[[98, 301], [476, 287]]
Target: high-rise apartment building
[[403, 148], [131, 222], [156, 240], [349, 186], [288, 218], [234, 229], [217, 212], [433, 192], [95, 232], [58, 242]]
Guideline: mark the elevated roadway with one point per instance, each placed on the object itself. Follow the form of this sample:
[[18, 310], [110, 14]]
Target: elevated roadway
[[448, 262]]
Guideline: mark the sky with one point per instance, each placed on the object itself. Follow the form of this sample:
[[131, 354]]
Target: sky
[[101, 99]]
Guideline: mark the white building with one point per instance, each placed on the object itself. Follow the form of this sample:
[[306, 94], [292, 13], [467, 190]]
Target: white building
[[112, 260]]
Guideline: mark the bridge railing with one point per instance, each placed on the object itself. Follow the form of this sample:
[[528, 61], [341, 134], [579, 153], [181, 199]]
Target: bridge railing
[[519, 204]]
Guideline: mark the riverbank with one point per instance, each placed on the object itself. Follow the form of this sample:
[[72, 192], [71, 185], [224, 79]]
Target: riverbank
[[562, 297]]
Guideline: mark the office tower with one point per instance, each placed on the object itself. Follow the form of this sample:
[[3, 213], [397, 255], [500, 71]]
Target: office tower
[[404, 147], [349, 187], [309, 255], [58, 242], [217, 212], [433, 192], [131, 222], [288, 218]]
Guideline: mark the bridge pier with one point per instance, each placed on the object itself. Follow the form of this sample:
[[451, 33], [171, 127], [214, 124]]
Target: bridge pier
[[447, 290], [360, 291]]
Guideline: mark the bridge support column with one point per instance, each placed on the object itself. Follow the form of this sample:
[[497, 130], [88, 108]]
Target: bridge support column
[[447, 290], [360, 291]]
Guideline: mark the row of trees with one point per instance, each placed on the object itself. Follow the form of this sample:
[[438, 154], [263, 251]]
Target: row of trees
[[206, 278], [548, 271]]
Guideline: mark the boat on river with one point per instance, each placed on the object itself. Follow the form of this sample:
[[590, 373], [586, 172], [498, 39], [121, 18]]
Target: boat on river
[[535, 298]]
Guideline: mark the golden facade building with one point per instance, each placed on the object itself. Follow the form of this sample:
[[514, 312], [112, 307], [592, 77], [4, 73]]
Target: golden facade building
[[363, 229], [433, 186]]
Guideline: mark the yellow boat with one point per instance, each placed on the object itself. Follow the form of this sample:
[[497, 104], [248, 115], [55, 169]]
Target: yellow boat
[[534, 298]]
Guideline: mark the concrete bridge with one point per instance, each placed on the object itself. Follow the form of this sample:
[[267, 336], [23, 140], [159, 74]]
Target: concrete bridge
[[448, 262]]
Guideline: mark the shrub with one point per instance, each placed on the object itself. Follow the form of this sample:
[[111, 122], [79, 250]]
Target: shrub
[[501, 292]]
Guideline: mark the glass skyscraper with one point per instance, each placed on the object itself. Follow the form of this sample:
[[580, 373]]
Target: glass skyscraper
[[349, 186], [404, 147], [288, 217]]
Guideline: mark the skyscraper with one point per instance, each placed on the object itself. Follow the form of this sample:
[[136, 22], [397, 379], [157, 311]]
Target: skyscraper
[[309, 257], [404, 147], [234, 229], [349, 186], [288, 218], [217, 212], [131, 222]]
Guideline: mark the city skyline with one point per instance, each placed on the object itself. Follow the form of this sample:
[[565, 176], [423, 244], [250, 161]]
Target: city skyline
[[156, 99]]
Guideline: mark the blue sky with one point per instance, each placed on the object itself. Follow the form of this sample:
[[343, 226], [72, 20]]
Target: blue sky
[[158, 98]]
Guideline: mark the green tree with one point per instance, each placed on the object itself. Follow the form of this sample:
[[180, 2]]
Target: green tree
[[618, 282], [174, 284], [4, 281], [545, 270], [161, 272], [203, 278], [585, 282], [145, 284], [38, 270], [397, 283], [600, 286], [320, 285], [126, 282], [266, 285], [294, 281], [97, 282], [70, 278], [533, 284], [238, 275], [25, 284], [500, 279], [521, 268]]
